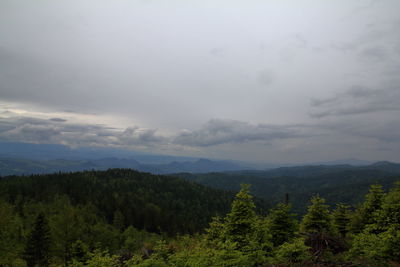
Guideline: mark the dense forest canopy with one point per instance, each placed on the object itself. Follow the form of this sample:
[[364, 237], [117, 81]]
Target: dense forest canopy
[[151, 202], [122, 217], [335, 183]]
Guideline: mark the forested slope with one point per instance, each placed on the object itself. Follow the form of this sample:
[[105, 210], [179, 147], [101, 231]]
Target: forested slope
[[151, 202], [336, 184]]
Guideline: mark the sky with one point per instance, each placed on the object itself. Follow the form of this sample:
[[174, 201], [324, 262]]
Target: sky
[[282, 81]]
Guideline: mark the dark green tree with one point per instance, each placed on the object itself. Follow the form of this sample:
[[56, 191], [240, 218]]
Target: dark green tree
[[317, 226], [341, 219], [119, 220], [318, 218], [240, 223], [365, 214], [37, 251], [215, 230], [79, 251], [281, 224], [10, 234], [389, 214]]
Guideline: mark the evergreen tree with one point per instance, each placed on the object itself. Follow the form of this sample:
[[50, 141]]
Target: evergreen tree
[[10, 234], [318, 218], [240, 223], [281, 224], [365, 215], [341, 219], [215, 230], [37, 249], [67, 226], [389, 215], [79, 251], [318, 227], [119, 220]]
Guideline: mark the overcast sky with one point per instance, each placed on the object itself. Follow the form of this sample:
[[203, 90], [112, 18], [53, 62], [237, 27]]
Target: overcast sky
[[268, 81]]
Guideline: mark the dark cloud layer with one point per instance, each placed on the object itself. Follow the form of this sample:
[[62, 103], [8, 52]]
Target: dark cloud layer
[[216, 132], [107, 65], [58, 131]]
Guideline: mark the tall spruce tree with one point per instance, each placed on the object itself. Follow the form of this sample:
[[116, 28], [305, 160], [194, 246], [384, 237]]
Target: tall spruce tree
[[366, 213], [37, 251], [240, 223], [318, 218], [389, 214], [341, 219], [281, 224]]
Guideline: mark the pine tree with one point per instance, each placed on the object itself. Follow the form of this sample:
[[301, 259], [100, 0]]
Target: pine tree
[[38, 245], [318, 229], [365, 215], [389, 215], [119, 220], [240, 223], [215, 230], [10, 234], [341, 219], [281, 224], [318, 218]]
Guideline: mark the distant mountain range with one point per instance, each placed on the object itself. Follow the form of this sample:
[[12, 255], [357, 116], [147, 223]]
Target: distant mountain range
[[342, 182], [53, 151], [25, 158], [20, 166]]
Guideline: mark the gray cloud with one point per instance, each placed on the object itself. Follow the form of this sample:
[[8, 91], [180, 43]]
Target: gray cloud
[[124, 63], [387, 131], [358, 100], [28, 129], [266, 77], [214, 132], [58, 119], [376, 53], [217, 131]]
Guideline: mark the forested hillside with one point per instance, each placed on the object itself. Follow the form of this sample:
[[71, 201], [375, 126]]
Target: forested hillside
[[344, 184], [59, 220], [151, 202]]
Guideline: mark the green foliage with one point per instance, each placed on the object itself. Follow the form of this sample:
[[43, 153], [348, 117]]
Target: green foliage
[[11, 235], [240, 223], [341, 219], [389, 214], [125, 197], [294, 253], [87, 230], [66, 225], [380, 240], [365, 215], [216, 229], [37, 249], [201, 255], [336, 184], [102, 259], [79, 251], [119, 220], [135, 239], [318, 218], [281, 224], [369, 248], [242, 229]]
